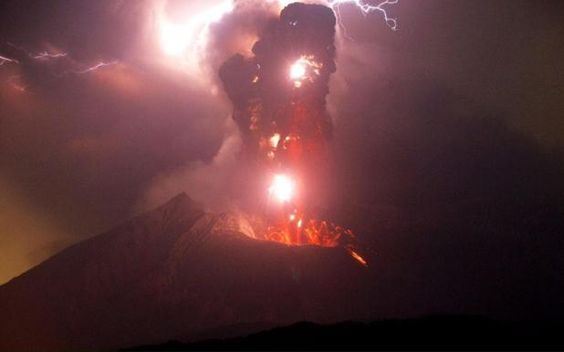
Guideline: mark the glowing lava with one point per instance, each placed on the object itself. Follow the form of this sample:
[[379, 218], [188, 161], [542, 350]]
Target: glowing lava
[[314, 233]]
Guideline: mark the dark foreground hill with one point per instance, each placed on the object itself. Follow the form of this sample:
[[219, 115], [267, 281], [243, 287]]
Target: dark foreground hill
[[173, 273], [430, 333]]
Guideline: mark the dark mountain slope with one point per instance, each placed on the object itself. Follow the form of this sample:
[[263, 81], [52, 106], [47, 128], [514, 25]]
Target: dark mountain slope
[[429, 333], [174, 272]]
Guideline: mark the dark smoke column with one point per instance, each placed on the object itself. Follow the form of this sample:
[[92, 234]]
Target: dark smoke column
[[279, 94], [279, 106]]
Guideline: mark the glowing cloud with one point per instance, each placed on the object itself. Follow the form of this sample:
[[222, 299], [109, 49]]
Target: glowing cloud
[[177, 39], [174, 38]]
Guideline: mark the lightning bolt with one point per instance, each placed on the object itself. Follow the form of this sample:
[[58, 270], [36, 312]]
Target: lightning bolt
[[46, 55], [95, 67], [43, 56], [367, 8], [4, 60]]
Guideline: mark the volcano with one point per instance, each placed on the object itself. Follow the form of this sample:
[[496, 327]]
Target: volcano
[[174, 272]]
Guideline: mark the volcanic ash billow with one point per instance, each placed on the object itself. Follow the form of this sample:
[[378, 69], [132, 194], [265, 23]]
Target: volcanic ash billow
[[279, 99]]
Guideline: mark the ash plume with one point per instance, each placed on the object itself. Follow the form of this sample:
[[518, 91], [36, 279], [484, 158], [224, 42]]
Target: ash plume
[[279, 100], [266, 101]]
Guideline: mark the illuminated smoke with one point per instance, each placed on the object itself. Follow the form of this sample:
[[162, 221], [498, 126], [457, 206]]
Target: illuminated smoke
[[296, 52], [278, 96]]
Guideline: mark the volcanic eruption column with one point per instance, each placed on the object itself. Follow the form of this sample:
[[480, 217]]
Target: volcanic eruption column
[[279, 104]]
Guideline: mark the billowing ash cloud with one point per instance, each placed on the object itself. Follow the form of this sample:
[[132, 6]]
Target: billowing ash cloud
[[268, 97], [279, 99]]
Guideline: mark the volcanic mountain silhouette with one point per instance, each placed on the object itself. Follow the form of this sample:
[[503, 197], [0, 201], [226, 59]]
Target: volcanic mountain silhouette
[[171, 273]]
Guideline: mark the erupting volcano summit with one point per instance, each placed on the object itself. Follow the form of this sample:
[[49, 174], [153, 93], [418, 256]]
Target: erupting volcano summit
[[279, 100], [174, 272]]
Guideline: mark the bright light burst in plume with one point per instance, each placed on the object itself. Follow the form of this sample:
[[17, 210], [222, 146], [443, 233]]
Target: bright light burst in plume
[[304, 69], [274, 140], [298, 70], [282, 188]]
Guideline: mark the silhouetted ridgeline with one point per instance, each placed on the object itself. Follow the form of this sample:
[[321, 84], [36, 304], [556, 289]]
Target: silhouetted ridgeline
[[433, 333]]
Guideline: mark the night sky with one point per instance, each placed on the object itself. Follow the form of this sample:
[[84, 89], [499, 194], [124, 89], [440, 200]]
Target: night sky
[[448, 133]]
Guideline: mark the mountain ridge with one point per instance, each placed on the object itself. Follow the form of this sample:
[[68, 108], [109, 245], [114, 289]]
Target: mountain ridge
[[169, 272]]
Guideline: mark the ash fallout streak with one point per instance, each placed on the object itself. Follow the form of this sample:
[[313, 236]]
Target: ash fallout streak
[[279, 104]]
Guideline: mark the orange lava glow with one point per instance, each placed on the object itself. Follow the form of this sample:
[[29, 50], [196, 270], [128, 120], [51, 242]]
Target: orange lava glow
[[317, 233], [358, 258]]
